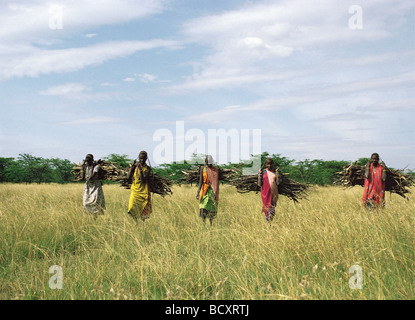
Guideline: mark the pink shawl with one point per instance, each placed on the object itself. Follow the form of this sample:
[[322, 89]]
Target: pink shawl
[[269, 190]]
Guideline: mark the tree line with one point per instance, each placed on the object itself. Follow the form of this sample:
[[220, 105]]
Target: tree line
[[30, 169], [27, 168]]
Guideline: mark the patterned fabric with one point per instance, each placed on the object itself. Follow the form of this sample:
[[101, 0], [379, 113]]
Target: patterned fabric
[[208, 201], [208, 204], [205, 184], [139, 205], [374, 193], [210, 178], [269, 193], [93, 198]]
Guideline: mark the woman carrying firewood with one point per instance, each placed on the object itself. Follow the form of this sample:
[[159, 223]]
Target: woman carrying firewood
[[93, 199], [375, 178], [139, 205], [208, 190], [268, 180]]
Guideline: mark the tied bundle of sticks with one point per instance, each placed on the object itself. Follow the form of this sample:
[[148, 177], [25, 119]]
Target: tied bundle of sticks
[[396, 181], [157, 184], [288, 187], [192, 176], [109, 171], [160, 185]]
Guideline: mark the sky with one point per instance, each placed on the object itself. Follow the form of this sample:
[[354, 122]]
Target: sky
[[323, 79]]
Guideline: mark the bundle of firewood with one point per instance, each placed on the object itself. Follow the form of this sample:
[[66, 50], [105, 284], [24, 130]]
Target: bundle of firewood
[[288, 187], [160, 185], [352, 175], [396, 181], [192, 175], [109, 171], [157, 184]]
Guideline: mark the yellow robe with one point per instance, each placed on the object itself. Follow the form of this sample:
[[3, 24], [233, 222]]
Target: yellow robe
[[140, 198]]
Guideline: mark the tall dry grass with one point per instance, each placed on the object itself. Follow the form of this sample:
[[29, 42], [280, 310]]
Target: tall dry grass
[[305, 253]]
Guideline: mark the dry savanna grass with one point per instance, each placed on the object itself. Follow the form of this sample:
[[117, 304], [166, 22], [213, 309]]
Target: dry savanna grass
[[306, 253]]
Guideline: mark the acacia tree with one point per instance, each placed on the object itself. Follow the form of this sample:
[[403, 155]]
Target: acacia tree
[[26, 160], [62, 170], [35, 169], [120, 160]]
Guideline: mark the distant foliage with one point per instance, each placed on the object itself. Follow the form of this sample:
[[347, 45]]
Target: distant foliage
[[120, 160], [362, 161], [5, 167], [30, 169], [316, 171]]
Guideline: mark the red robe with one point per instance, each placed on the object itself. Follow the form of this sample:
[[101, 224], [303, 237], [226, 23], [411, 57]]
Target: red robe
[[374, 186]]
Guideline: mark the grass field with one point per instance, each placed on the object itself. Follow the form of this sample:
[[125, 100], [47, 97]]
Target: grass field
[[306, 253]]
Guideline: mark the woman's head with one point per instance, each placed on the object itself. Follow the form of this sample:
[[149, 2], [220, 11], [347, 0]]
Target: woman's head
[[269, 163], [374, 158], [142, 157], [89, 158], [209, 160]]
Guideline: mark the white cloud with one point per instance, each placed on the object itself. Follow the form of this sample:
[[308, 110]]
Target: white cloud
[[129, 80], [227, 78], [250, 44], [407, 78], [93, 121], [146, 78], [67, 89], [79, 92], [30, 61], [24, 21], [320, 103], [26, 27], [350, 113]]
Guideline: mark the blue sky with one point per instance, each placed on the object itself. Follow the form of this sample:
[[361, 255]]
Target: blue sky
[[320, 79]]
